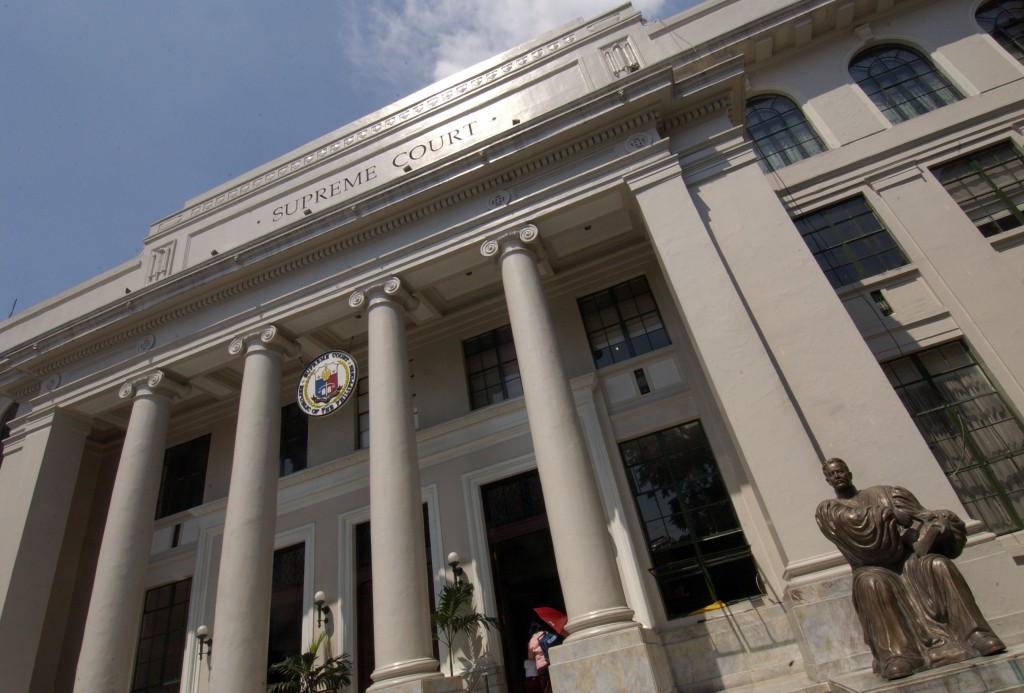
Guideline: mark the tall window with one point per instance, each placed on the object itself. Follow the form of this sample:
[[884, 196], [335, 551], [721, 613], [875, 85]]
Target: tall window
[[780, 133], [294, 432], [492, 367], [363, 403], [161, 649], [697, 549], [849, 242], [184, 474], [622, 322], [901, 82], [286, 605], [5, 427], [989, 187], [1004, 21], [976, 438]]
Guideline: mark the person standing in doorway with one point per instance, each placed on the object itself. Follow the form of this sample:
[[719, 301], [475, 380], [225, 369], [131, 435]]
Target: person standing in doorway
[[537, 653]]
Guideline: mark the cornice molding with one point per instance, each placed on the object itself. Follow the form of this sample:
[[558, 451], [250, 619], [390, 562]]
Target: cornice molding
[[374, 131], [528, 169]]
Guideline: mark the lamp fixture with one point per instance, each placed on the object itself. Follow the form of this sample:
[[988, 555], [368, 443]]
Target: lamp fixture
[[320, 599], [453, 561], [205, 641]]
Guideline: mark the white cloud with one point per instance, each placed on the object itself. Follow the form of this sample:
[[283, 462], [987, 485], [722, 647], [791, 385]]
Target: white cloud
[[411, 43]]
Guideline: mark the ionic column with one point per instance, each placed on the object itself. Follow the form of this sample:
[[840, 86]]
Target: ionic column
[[401, 610], [586, 563], [241, 627], [108, 652]]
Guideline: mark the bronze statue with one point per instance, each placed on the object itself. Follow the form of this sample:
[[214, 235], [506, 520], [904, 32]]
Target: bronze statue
[[915, 607]]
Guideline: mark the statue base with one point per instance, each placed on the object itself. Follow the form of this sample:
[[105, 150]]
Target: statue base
[[1001, 672]]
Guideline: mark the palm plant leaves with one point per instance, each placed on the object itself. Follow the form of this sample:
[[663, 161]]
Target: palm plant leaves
[[454, 615], [306, 676]]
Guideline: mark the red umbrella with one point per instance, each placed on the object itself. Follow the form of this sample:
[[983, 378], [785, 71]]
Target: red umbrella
[[554, 618]]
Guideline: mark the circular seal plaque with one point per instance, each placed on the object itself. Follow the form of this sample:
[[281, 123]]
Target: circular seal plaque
[[326, 383]]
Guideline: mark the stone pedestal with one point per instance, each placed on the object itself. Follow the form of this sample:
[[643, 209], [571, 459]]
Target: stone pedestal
[[632, 659], [827, 627], [1003, 672]]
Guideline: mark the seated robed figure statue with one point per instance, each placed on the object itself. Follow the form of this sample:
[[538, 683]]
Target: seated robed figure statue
[[914, 606]]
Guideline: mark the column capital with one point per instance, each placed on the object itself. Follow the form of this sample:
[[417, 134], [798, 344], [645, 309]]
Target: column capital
[[388, 289], [268, 337], [156, 383], [524, 238]]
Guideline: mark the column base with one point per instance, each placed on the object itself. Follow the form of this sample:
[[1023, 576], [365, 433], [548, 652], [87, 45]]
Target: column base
[[630, 659], [435, 684]]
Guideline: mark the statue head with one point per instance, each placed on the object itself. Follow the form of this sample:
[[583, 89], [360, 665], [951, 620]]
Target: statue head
[[838, 475]]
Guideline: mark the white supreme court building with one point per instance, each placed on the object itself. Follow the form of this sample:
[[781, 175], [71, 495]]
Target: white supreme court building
[[612, 297]]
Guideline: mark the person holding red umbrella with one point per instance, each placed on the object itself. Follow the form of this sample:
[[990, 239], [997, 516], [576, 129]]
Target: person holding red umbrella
[[537, 654]]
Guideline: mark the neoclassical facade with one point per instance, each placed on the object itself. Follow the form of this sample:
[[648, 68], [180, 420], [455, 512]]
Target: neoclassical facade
[[613, 297]]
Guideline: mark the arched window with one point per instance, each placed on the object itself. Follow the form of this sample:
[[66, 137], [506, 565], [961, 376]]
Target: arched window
[[1004, 21], [901, 82], [779, 131]]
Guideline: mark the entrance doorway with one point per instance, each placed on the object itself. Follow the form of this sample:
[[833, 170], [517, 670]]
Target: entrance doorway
[[522, 563]]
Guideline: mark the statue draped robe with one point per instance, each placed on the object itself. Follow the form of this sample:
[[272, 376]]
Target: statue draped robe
[[912, 601]]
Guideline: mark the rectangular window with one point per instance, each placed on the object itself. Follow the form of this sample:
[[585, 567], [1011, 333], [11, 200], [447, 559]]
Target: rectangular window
[[184, 475], [492, 367], [363, 402], [294, 432], [849, 242], [622, 322], [286, 605], [989, 187], [697, 549], [975, 437], [161, 650]]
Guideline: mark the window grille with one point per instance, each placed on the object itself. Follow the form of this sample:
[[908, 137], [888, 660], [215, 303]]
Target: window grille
[[698, 552], [1003, 20], [183, 478], [975, 437], [622, 322], [849, 242], [492, 367], [161, 644], [989, 187], [780, 132], [294, 434], [901, 82]]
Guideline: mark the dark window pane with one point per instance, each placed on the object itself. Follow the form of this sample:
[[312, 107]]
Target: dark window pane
[[161, 646], [184, 476], [901, 82], [697, 549], [975, 437], [849, 242], [988, 185], [493, 369], [622, 322], [780, 133], [1004, 21], [294, 431]]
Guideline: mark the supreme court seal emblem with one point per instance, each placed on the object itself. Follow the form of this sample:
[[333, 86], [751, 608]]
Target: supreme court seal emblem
[[326, 383]]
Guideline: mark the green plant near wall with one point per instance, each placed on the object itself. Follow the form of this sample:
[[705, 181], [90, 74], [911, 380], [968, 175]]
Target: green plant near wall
[[455, 614], [304, 675]]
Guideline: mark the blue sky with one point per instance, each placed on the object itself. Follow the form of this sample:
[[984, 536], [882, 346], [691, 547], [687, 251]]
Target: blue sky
[[114, 112]]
